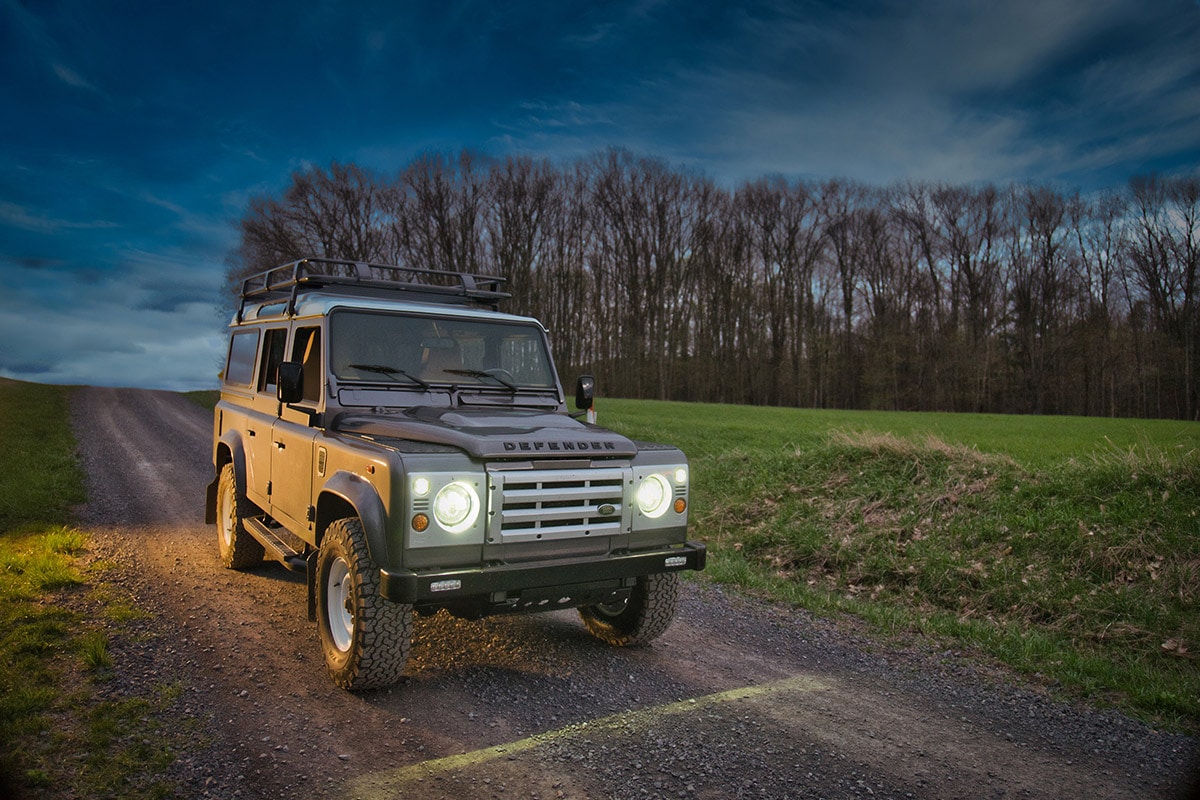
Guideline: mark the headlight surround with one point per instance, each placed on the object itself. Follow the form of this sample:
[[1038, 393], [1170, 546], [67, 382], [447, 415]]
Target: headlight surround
[[654, 495], [658, 497], [444, 509], [456, 507]]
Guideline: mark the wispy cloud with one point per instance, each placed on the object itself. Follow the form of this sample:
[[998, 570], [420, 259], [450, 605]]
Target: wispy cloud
[[71, 78], [17, 216], [936, 89]]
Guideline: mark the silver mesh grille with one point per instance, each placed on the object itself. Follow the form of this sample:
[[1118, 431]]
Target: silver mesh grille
[[532, 505]]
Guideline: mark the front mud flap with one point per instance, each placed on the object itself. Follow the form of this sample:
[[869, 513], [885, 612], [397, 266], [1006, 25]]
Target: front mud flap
[[312, 586]]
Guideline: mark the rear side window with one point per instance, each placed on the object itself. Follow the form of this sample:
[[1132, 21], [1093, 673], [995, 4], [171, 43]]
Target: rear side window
[[243, 346]]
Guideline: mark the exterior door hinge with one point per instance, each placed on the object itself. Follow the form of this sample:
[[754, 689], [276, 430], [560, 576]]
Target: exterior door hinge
[[268, 488], [311, 514]]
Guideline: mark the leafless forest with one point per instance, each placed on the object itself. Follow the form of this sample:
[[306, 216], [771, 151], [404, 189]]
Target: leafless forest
[[918, 296]]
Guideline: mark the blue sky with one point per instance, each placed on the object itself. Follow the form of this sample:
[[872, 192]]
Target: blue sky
[[135, 133]]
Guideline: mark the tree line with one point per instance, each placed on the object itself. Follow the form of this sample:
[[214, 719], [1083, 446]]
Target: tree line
[[830, 294]]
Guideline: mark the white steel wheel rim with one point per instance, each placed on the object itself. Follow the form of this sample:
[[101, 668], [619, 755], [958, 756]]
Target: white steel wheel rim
[[228, 519], [337, 602]]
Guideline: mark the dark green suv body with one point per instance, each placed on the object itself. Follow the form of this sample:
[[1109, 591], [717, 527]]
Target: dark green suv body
[[386, 431]]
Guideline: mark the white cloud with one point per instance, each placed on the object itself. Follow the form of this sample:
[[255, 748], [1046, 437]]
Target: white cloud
[[152, 323]]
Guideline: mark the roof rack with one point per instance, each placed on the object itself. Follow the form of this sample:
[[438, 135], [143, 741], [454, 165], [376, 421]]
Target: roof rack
[[287, 281]]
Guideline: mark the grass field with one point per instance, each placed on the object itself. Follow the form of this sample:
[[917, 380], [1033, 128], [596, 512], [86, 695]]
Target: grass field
[[1067, 548]]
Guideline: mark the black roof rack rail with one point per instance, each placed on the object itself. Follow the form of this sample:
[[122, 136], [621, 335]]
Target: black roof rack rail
[[287, 281]]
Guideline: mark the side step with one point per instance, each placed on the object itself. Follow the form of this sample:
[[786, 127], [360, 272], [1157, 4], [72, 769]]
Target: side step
[[276, 548]]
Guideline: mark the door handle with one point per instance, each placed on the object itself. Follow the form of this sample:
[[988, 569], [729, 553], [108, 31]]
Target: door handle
[[281, 445]]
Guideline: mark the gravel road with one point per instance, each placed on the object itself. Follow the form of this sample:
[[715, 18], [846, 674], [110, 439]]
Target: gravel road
[[740, 699]]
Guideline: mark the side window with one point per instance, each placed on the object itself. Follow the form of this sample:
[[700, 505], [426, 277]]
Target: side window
[[307, 350], [272, 357], [239, 369]]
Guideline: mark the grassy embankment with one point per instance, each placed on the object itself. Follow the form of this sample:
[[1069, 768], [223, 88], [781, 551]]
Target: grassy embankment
[[1067, 548], [61, 735]]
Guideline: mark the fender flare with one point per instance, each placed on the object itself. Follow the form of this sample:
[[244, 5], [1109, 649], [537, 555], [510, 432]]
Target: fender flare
[[361, 496], [229, 449]]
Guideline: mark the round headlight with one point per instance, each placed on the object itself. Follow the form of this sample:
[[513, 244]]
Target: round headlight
[[456, 507], [654, 496]]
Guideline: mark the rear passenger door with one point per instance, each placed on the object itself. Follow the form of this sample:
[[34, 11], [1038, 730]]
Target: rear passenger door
[[264, 408]]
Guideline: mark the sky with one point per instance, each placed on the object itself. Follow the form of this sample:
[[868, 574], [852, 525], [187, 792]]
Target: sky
[[134, 134]]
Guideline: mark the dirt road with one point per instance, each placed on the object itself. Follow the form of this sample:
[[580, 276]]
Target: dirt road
[[739, 699]]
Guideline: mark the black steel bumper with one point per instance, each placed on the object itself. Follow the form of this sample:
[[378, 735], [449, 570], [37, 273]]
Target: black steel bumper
[[449, 586]]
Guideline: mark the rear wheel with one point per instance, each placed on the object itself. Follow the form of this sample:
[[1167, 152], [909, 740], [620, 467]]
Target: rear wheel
[[644, 616], [238, 549], [365, 637]]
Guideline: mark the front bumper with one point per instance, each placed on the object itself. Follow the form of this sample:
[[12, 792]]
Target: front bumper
[[510, 580]]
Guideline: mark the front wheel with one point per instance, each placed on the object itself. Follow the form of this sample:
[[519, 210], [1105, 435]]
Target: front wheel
[[644, 616], [365, 637]]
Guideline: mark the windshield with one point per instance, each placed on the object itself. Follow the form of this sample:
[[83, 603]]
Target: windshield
[[389, 348]]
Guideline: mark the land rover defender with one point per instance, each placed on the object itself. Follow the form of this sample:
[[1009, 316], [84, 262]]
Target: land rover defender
[[389, 433]]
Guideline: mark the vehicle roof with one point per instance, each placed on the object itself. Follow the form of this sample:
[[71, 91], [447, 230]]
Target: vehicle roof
[[320, 304]]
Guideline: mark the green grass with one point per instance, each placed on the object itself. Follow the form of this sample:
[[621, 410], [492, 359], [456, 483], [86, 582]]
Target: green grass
[[42, 480], [59, 737], [1066, 548], [205, 398]]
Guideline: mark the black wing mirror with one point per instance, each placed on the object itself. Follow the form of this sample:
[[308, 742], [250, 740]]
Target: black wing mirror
[[289, 384], [585, 392]]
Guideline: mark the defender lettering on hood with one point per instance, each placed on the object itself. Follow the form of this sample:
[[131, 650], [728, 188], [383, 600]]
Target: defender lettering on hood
[[560, 446]]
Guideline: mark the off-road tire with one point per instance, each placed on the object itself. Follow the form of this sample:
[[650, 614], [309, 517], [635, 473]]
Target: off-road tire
[[237, 547], [645, 616], [366, 638]]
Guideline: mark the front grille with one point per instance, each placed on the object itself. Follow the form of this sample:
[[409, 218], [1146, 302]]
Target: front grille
[[532, 505]]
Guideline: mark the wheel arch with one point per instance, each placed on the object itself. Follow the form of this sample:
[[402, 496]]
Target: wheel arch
[[228, 450], [347, 495]]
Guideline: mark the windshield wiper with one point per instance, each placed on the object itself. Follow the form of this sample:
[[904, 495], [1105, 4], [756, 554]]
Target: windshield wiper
[[391, 372], [479, 373]]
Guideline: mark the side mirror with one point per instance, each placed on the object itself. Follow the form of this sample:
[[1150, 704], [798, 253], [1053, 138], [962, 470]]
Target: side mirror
[[585, 392], [289, 384]]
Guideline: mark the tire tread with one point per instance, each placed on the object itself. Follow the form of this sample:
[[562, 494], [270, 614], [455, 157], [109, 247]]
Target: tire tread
[[650, 612], [380, 647]]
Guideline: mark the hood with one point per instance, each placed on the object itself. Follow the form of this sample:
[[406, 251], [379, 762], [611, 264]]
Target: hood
[[491, 433]]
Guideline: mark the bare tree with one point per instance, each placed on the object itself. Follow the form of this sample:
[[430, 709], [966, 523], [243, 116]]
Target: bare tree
[[437, 209], [336, 213], [1163, 254], [1101, 241], [1039, 296], [853, 228], [522, 197], [781, 221]]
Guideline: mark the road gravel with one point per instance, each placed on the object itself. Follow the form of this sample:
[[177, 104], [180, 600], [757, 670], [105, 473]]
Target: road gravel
[[740, 699]]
